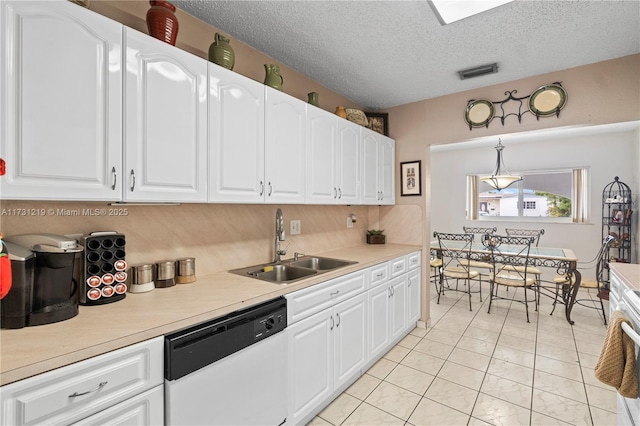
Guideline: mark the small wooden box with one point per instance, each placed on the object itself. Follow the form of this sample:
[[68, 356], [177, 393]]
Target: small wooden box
[[375, 239]]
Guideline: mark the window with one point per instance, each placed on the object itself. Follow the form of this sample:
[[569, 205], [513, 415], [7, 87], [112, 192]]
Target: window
[[559, 195]]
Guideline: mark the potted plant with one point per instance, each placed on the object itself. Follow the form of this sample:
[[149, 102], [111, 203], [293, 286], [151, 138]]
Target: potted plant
[[375, 236]]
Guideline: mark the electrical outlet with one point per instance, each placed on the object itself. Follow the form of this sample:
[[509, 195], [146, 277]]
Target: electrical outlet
[[295, 227], [349, 221]]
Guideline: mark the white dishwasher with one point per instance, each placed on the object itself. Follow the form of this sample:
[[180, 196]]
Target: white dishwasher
[[229, 371]]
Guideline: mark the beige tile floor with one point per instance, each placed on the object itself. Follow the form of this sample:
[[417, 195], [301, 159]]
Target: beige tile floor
[[475, 368]]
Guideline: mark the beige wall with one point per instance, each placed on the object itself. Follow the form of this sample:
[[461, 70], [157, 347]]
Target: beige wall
[[600, 93], [196, 36]]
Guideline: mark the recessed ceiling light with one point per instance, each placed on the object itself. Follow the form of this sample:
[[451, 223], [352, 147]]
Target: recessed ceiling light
[[478, 71], [449, 11]]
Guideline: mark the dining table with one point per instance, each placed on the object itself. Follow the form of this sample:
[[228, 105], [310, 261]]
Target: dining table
[[563, 260]]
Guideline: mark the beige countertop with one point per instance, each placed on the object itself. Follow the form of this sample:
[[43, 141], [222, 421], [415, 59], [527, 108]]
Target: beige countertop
[[628, 272], [99, 329]]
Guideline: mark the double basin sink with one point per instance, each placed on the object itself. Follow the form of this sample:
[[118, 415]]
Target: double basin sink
[[291, 270]]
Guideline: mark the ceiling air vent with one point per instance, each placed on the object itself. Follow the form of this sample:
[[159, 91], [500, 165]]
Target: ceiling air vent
[[478, 71]]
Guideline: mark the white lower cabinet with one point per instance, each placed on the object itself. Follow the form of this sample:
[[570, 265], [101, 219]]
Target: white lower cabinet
[[339, 328], [387, 314], [310, 364], [95, 387], [326, 350], [141, 410], [413, 296]]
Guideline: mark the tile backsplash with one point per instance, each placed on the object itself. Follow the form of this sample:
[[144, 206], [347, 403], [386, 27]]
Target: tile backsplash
[[219, 236]]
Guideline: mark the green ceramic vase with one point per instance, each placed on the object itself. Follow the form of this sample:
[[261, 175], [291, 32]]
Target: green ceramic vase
[[221, 53], [273, 77], [313, 98]]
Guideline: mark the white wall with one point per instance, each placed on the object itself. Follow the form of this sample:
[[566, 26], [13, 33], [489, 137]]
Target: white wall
[[609, 151]]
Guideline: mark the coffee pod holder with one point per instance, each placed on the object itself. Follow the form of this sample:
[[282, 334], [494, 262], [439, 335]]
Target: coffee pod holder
[[104, 268]]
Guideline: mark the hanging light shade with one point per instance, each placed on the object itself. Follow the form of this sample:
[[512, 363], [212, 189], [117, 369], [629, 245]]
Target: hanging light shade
[[500, 178]]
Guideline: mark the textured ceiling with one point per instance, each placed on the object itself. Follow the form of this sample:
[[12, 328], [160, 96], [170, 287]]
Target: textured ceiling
[[382, 54]]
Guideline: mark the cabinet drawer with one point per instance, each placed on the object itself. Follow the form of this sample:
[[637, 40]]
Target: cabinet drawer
[[76, 391], [378, 274], [398, 266], [413, 260], [146, 409], [308, 301]]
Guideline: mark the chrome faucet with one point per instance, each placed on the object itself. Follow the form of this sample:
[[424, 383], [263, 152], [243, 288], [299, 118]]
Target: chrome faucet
[[280, 236]]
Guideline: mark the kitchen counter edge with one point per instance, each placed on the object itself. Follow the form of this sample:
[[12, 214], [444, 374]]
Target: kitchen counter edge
[[100, 329]]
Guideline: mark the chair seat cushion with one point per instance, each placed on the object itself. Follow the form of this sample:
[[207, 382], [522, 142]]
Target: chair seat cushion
[[459, 272], [530, 269], [514, 280], [584, 282], [478, 264], [435, 263]]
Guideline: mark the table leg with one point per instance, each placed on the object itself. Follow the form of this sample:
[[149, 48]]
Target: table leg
[[571, 293]]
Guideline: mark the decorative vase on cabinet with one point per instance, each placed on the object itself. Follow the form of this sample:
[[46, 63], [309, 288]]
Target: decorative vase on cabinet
[[221, 53], [162, 22], [313, 98], [273, 77], [341, 112]]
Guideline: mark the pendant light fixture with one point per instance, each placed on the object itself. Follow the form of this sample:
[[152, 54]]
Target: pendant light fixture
[[500, 178]]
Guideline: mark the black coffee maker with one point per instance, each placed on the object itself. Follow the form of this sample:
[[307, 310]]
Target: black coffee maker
[[48, 293]]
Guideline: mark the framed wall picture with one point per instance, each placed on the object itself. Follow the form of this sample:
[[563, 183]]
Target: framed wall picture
[[378, 122], [410, 178]]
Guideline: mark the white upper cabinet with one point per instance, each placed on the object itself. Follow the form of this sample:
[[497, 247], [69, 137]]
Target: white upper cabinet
[[61, 102], [285, 141], [378, 167], [321, 142], [165, 123], [333, 159], [236, 137], [347, 158]]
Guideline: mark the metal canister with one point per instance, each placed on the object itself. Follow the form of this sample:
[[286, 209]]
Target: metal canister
[[141, 278], [186, 270], [165, 273]]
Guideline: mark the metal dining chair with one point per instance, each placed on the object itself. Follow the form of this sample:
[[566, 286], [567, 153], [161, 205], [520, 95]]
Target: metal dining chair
[[564, 283], [535, 233], [506, 254], [455, 252], [483, 266]]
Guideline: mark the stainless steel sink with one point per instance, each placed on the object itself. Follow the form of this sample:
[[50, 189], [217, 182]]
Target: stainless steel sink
[[320, 263], [281, 273], [291, 270]]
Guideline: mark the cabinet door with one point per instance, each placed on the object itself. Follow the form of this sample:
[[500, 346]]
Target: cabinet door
[[166, 122], [369, 180], [379, 305], [236, 137], [413, 297], [311, 360], [398, 308], [386, 171], [61, 73], [348, 163], [285, 133], [350, 334], [321, 140], [145, 409], [378, 168]]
